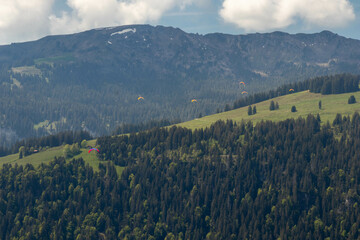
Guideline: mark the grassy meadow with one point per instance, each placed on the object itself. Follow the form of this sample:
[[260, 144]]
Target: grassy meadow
[[48, 155], [305, 103]]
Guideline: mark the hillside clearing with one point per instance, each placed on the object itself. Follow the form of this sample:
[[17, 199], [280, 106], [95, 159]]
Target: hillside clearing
[[306, 103], [48, 155]]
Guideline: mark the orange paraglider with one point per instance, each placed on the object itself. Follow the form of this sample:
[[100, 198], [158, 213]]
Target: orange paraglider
[[194, 100], [140, 98], [291, 90], [244, 92], [242, 85]]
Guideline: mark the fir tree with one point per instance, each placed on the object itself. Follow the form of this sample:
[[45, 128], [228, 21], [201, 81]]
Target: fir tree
[[250, 112], [272, 106], [351, 100]]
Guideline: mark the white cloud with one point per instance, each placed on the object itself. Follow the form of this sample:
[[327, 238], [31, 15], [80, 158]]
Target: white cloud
[[264, 15], [94, 13], [22, 20]]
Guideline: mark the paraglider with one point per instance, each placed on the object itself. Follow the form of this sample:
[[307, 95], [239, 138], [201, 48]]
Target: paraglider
[[140, 98], [242, 85], [194, 100], [291, 90], [244, 92], [93, 149]]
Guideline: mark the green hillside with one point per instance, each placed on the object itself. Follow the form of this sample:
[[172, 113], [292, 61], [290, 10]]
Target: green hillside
[[48, 155], [73, 81], [305, 102]]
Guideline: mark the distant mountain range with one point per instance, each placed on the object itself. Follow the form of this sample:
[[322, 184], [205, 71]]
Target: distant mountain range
[[138, 51], [92, 80]]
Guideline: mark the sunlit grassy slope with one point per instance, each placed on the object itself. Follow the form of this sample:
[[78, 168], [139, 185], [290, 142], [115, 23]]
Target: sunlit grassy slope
[[305, 102], [46, 156]]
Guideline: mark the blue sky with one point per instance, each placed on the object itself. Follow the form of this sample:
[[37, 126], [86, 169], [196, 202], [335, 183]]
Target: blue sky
[[24, 20]]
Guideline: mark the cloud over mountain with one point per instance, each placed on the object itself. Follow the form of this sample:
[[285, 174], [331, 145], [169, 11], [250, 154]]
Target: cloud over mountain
[[87, 14], [22, 20], [264, 15]]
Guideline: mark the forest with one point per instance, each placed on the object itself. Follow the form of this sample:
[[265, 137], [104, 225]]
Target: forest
[[56, 97], [294, 179], [53, 140], [334, 84], [57, 100]]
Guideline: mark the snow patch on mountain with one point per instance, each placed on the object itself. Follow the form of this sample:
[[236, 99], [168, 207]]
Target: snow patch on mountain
[[124, 31]]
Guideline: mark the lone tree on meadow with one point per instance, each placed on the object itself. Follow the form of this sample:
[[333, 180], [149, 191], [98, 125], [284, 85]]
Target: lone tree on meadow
[[351, 100], [272, 106], [293, 109], [250, 112]]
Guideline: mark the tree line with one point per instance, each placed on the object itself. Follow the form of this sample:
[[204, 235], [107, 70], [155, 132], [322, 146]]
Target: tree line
[[334, 84], [32, 145], [133, 127], [294, 179]]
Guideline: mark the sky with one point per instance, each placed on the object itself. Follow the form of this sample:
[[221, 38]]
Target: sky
[[26, 20]]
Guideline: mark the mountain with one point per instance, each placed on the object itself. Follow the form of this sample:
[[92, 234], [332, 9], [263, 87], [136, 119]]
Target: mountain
[[92, 80]]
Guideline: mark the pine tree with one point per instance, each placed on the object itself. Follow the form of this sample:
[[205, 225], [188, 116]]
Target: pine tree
[[67, 151], [254, 110], [250, 112], [351, 100], [227, 108], [21, 152], [272, 106]]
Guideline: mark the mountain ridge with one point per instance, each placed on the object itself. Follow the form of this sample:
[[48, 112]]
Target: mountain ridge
[[92, 80]]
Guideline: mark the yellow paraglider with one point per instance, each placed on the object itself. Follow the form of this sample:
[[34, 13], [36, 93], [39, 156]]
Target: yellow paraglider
[[291, 90], [244, 92], [194, 100], [140, 98]]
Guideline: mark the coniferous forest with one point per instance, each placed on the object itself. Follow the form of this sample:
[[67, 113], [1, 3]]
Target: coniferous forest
[[294, 179], [57, 101], [334, 84]]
